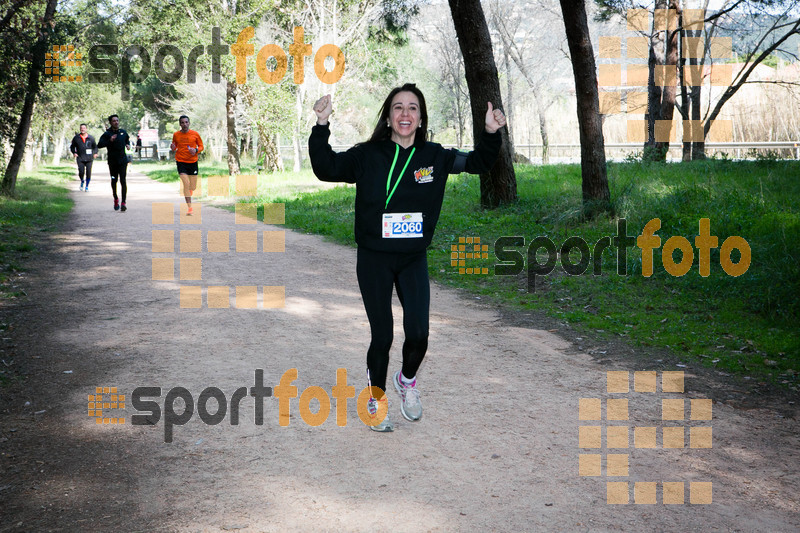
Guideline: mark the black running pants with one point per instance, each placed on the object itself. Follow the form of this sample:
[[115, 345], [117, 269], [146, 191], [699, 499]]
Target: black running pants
[[378, 274], [118, 170], [85, 167]]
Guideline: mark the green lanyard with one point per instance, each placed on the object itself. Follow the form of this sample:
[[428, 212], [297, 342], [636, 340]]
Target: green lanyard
[[391, 171]]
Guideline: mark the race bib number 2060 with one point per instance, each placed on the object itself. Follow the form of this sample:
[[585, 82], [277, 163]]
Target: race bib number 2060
[[402, 225]]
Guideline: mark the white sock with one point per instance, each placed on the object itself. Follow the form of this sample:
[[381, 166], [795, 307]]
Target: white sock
[[406, 381]]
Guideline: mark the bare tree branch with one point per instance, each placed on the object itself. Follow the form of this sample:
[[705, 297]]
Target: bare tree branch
[[744, 74]]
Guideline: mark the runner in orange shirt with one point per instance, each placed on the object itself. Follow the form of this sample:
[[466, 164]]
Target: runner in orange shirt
[[187, 144]]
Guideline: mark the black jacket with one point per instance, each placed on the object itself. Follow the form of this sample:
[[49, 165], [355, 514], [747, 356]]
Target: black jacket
[[85, 150], [116, 150], [421, 187]]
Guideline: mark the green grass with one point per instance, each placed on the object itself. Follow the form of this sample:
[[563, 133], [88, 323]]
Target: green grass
[[166, 171], [282, 184], [40, 204], [744, 325]]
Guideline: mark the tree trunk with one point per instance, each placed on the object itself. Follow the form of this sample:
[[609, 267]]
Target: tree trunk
[[298, 155], [510, 101], [267, 147], [510, 94], [270, 150], [596, 197], [511, 51], [655, 58], [6, 150], [499, 185], [698, 147], [669, 91], [695, 95], [34, 81], [692, 111], [37, 157], [233, 147], [245, 144], [30, 148], [43, 153], [543, 130], [59, 146], [279, 158], [684, 109], [214, 150]]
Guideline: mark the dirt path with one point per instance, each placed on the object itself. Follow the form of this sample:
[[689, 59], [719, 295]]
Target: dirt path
[[496, 450]]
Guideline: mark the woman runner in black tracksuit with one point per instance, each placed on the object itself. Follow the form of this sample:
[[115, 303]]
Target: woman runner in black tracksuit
[[400, 181]]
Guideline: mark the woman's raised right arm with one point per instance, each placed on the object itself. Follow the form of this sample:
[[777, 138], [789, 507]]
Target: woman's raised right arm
[[327, 164]]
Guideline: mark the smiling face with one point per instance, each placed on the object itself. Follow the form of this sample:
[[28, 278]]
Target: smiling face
[[404, 118], [83, 129], [184, 122]]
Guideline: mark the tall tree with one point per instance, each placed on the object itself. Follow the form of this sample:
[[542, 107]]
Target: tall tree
[[780, 29], [17, 31], [661, 93], [538, 73], [34, 84], [448, 69], [757, 29], [594, 183], [690, 94], [188, 25], [498, 186]]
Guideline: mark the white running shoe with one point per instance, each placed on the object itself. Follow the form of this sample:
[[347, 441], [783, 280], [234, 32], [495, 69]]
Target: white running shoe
[[410, 405], [372, 408]]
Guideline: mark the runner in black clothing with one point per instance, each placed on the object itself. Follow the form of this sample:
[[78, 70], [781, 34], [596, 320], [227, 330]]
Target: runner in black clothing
[[116, 140], [395, 217], [84, 150]]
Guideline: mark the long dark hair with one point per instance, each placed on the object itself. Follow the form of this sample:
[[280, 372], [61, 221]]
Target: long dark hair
[[383, 131]]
